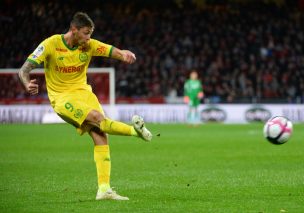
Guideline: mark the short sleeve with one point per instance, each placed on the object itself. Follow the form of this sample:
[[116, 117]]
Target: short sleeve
[[101, 49], [40, 53]]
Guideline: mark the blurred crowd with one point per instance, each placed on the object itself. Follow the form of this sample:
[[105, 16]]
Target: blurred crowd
[[242, 53]]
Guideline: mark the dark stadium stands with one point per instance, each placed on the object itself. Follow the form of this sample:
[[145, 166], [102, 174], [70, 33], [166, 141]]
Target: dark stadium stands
[[243, 53]]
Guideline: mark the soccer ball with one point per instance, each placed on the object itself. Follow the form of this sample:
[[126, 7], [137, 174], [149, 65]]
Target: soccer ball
[[277, 130]]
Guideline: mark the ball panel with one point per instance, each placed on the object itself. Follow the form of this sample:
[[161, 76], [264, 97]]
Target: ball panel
[[284, 137], [274, 130], [289, 127], [273, 141], [280, 119]]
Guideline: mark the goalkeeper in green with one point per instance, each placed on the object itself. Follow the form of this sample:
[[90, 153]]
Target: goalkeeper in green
[[193, 93]]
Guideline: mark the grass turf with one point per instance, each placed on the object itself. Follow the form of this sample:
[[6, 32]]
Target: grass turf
[[210, 168]]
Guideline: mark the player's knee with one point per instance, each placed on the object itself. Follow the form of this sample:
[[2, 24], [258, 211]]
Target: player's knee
[[99, 138], [95, 116]]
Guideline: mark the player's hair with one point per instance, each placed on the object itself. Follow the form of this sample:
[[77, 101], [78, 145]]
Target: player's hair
[[81, 19]]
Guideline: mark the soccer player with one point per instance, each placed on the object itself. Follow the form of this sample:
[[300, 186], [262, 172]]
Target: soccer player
[[193, 93], [66, 59]]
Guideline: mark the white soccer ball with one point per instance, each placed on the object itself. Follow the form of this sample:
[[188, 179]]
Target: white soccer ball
[[277, 130]]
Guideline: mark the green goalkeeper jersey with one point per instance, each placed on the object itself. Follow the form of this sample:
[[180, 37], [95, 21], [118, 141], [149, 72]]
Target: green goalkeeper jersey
[[191, 89]]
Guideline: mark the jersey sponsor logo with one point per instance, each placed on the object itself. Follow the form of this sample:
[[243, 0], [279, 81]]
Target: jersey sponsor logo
[[69, 69], [83, 57], [38, 51], [61, 50], [102, 50], [195, 86]]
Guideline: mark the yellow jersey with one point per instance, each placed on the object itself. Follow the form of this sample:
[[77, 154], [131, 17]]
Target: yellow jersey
[[65, 67]]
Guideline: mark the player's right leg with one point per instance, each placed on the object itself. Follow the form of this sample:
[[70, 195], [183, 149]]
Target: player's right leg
[[118, 128], [83, 110], [139, 126], [115, 127]]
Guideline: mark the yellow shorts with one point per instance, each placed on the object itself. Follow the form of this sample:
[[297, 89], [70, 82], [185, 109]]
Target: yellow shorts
[[73, 107]]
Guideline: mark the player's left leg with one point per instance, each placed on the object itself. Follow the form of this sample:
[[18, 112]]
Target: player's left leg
[[191, 115], [196, 115], [103, 166]]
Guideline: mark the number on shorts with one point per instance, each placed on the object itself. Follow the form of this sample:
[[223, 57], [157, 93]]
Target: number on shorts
[[69, 106]]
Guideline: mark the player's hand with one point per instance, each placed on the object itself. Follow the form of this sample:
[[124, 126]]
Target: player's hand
[[32, 87], [200, 95], [128, 56], [186, 99]]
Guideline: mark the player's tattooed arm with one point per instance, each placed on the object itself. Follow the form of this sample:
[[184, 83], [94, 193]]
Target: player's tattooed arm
[[24, 75]]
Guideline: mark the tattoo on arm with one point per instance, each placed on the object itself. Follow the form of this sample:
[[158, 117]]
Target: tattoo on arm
[[24, 73]]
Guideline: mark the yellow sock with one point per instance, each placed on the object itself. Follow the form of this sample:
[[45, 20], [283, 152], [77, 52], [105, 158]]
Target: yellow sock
[[103, 165], [133, 132], [117, 128]]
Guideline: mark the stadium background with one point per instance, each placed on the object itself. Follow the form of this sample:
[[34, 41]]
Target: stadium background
[[245, 51]]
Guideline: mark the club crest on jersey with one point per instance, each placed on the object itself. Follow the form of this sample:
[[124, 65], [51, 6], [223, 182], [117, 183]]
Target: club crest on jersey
[[38, 51], [83, 57]]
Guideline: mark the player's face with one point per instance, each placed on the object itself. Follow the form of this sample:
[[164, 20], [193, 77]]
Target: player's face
[[83, 35], [193, 75]]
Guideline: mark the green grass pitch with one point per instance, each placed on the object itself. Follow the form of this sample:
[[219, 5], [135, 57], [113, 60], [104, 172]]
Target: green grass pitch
[[210, 168]]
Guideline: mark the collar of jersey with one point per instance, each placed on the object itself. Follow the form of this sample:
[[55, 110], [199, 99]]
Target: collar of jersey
[[65, 44]]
